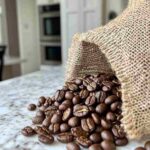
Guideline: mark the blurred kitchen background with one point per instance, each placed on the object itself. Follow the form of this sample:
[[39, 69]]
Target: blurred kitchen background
[[35, 33]]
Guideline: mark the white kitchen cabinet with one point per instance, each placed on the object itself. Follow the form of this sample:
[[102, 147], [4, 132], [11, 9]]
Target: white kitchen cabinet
[[78, 16]]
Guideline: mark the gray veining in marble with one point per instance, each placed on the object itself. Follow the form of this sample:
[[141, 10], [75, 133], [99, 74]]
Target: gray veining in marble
[[15, 95]]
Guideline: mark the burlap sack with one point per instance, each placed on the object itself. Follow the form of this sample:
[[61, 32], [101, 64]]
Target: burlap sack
[[125, 42]]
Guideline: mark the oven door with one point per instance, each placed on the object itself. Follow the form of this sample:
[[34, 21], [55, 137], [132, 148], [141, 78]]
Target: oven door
[[51, 53], [50, 28]]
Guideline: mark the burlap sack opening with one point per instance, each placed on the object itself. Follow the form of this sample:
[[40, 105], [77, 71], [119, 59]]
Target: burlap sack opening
[[126, 44]]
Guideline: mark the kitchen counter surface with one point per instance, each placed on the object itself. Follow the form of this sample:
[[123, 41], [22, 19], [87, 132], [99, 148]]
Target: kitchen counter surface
[[15, 95]]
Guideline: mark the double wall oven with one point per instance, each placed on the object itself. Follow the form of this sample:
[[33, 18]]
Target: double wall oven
[[50, 34]]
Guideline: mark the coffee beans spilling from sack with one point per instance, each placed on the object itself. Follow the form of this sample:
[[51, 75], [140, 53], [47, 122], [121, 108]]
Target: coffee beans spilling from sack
[[85, 112]]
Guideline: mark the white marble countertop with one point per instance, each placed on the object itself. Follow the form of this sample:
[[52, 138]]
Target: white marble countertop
[[15, 95]]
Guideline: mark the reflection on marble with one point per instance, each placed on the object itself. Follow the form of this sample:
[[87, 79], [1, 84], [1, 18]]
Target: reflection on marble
[[15, 95]]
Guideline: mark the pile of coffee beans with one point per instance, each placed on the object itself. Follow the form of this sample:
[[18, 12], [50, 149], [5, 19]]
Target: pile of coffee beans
[[146, 146], [86, 112]]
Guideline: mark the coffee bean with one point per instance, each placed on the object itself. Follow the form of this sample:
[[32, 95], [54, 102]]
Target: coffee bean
[[67, 114], [41, 130], [69, 95], [91, 100], [31, 107], [100, 96], [95, 137], [83, 141], [42, 100], [76, 100], [56, 104], [105, 124], [140, 148], [28, 131], [107, 135], [67, 102], [74, 122], [40, 114], [56, 118], [92, 87], [107, 86], [54, 128], [49, 111], [72, 146], [84, 94], [78, 81], [37, 120], [80, 110], [111, 99], [115, 106], [147, 145], [108, 145], [42, 108], [95, 147], [96, 118], [110, 116], [46, 139], [59, 95], [47, 122], [91, 109], [64, 127], [121, 142], [78, 132], [88, 124], [118, 131], [65, 137], [63, 107], [99, 129], [72, 87], [101, 108]]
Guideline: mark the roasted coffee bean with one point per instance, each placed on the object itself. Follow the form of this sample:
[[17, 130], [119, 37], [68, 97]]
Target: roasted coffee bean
[[88, 124], [80, 110], [147, 145], [83, 141], [105, 124], [115, 106], [67, 102], [91, 100], [67, 114], [121, 142], [107, 86], [31, 107], [41, 130], [76, 100], [78, 81], [72, 146], [108, 145], [101, 108], [95, 147], [40, 114], [56, 104], [74, 122], [49, 111], [47, 122], [78, 132], [59, 95], [140, 148], [95, 137], [111, 99], [54, 128], [96, 118], [118, 131], [107, 135], [37, 120], [63, 107], [99, 129], [56, 118], [91, 109], [64, 127], [92, 87], [42, 100], [100, 96], [69, 95], [110, 116], [72, 86], [66, 137], [46, 139], [42, 108], [84, 94], [28, 131]]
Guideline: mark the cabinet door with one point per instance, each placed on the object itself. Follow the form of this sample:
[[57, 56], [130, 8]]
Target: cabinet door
[[78, 16]]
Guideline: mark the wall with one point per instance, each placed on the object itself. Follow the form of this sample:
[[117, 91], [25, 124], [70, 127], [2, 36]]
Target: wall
[[28, 35]]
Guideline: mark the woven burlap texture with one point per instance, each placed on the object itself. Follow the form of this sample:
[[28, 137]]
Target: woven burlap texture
[[125, 42]]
